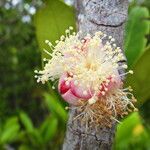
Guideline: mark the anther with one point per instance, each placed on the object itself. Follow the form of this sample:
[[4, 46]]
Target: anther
[[103, 93], [92, 101], [76, 82], [131, 71], [67, 82], [35, 71], [56, 41], [53, 87], [46, 41], [71, 28], [85, 93]]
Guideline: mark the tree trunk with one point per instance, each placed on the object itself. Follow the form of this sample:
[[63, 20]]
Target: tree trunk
[[109, 17]]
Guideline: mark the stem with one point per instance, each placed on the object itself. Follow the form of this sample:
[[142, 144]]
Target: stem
[[109, 17]]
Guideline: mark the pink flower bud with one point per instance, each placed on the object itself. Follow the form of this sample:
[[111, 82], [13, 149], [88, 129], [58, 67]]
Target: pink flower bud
[[70, 92]]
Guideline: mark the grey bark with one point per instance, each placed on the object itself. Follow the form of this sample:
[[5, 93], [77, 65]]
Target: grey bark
[[109, 17]]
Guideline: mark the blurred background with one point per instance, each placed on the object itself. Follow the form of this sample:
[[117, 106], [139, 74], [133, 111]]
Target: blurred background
[[32, 116]]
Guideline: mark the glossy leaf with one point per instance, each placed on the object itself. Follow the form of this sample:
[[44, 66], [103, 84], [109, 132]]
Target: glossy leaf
[[130, 122], [136, 29], [52, 20], [55, 107], [130, 133], [27, 122], [36, 137], [10, 130], [24, 147], [49, 128], [140, 80]]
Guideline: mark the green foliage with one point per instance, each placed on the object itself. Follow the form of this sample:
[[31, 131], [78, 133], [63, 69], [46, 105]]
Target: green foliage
[[52, 20], [145, 114], [29, 120], [140, 81], [9, 131], [130, 133], [38, 137], [49, 128], [26, 122], [55, 107], [19, 55], [131, 122], [29, 137], [135, 40]]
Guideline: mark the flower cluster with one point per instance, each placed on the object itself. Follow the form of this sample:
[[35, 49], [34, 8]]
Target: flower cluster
[[87, 73]]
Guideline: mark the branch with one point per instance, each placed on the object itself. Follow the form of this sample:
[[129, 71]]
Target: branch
[[109, 17]]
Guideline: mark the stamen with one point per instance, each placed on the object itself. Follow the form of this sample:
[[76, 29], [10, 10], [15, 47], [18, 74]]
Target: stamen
[[91, 63], [92, 100], [67, 82], [85, 93], [47, 52]]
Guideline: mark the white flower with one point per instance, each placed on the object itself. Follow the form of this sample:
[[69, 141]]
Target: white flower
[[87, 70], [90, 60]]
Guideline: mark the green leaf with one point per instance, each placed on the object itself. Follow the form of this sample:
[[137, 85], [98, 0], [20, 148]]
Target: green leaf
[[48, 128], [131, 132], [136, 29], [36, 138], [10, 130], [125, 130], [55, 107], [11, 121], [140, 80], [26, 121], [52, 20], [25, 147], [129, 122]]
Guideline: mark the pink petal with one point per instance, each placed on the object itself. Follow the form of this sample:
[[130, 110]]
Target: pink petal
[[115, 82], [62, 87], [78, 91], [70, 98]]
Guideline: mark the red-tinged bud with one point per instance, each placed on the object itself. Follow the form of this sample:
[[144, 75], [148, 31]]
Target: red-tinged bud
[[71, 92]]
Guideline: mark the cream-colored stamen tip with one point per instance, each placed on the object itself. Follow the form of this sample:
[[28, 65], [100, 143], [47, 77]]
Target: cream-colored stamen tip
[[76, 82], [131, 71], [67, 82], [92, 101], [106, 89], [85, 93], [53, 87], [103, 93]]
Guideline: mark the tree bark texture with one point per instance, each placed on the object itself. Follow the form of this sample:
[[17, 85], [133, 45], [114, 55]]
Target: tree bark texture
[[109, 17]]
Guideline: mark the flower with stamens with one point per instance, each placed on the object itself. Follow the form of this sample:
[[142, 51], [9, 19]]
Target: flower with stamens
[[87, 70]]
